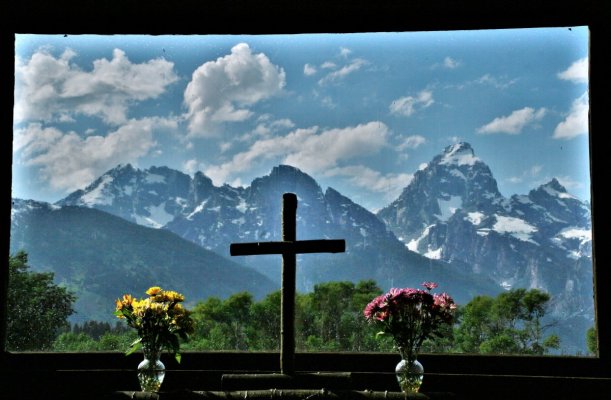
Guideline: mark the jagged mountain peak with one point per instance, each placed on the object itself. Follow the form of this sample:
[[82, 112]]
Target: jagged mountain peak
[[202, 178], [457, 164], [21, 206], [285, 178], [553, 188], [452, 210], [282, 169], [556, 185], [454, 180], [458, 154], [458, 147], [121, 168]]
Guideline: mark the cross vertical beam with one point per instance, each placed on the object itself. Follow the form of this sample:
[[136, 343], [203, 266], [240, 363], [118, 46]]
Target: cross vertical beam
[[289, 268], [289, 247]]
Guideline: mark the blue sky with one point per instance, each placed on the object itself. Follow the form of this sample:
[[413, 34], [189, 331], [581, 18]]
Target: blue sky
[[359, 112]]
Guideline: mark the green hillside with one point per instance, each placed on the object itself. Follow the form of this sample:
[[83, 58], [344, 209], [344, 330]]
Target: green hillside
[[100, 257]]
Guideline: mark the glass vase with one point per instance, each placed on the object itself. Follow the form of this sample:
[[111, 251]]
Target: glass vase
[[410, 374], [151, 370]]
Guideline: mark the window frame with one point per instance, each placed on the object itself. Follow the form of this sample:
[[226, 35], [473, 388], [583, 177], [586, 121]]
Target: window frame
[[339, 16]]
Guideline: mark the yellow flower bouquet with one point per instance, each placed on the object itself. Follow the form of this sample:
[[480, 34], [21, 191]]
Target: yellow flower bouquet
[[160, 320]]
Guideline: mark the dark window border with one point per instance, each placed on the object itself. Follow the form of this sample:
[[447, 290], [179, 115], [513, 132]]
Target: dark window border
[[106, 371]]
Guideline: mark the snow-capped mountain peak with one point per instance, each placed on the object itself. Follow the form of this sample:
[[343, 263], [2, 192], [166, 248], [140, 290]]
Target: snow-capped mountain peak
[[452, 210], [459, 154], [555, 189], [455, 179]]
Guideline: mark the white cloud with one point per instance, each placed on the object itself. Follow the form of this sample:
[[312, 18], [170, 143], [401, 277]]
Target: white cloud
[[225, 146], [577, 72], [221, 90], [34, 139], [499, 83], [390, 185], [411, 142], [343, 72], [318, 152], [266, 127], [48, 87], [190, 166], [450, 63], [68, 161], [283, 123], [309, 70], [328, 65], [515, 122], [328, 102], [535, 170], [530, 173], [569, 183], [576, 122], [307, 149], [344, 52], [408, 105], [66, 118]]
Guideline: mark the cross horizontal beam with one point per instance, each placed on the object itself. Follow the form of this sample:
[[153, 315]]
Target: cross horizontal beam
[[297, 247]]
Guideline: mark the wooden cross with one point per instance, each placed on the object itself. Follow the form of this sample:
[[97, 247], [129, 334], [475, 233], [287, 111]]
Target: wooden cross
[[289, 247]]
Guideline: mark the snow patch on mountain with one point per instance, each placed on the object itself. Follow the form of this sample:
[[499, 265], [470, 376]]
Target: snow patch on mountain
[[449, 207], [523, 199], [97, 195], [200, 207], [583, 235], [433, 254], [576, 241], [160, 215], [475, 217], [515, 227], [455, 172], [157, 217], [20, 206], [242, 206], [155, 178], [459, 154], [413, 244], [556, 193]]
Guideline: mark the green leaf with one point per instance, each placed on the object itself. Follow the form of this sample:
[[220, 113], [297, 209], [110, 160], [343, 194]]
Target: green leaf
[[178, 357], [135, 346]]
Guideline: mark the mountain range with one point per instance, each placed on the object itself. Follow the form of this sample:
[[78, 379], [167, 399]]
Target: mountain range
[[450, 225]]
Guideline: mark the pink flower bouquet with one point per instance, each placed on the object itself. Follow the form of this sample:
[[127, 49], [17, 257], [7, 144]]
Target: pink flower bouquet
[[411, 316]]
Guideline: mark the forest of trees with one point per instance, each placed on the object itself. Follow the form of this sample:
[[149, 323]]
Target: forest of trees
[[330, 318]]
